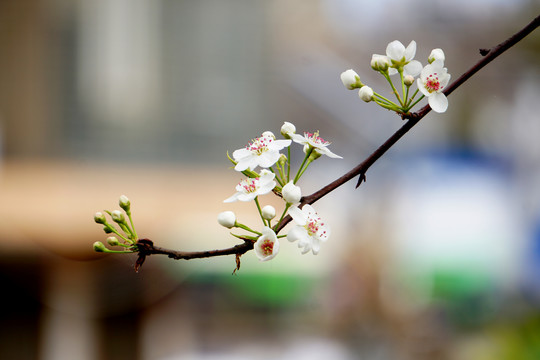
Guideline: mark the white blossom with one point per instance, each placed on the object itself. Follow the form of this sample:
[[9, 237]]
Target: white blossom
[[267, 245], [249, 188], [400, 56], [262, 151], [310, 231], [313, 140], [433, 79]]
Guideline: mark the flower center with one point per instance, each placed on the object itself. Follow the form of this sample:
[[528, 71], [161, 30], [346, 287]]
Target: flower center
[[313, 225], [316, 138], [259, 145], [432, 83], [250, 185], [267, 247]]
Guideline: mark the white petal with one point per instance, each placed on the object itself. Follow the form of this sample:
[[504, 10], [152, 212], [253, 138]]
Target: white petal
[[438, 102], [240, 153], [413, 68], [232, 198], [422, 88], [280, 144], [298, 215], [268, 158], [297, 233], [395, 50], [410, 51]]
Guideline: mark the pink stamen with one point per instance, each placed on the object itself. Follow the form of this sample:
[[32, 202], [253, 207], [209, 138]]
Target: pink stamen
[[267, 247], [432, 83]]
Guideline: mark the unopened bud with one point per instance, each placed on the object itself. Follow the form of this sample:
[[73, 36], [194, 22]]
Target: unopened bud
[[408, 80], [436, 54], [99, 247], [268, 134], [113, 241], [379, 62], [366, 93], [227, 219], [287, 129], [118, 217], [350, 79], [124, 203], [100, 218], [291, 193], [268, 212]]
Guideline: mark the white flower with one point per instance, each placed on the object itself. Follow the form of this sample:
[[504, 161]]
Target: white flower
[[291, 193], [403, 57], [227, 219], [262, 151], [433, 79], [366, 93], [350, 79], [249, 188], [287, 129], [436, 54], [268, 212], [310, 230], [314, 141], [379, 62], [267, 245]]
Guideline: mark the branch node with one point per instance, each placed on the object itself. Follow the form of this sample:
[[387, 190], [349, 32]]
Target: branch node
[[361, 179], [144, 247], [484, 52]]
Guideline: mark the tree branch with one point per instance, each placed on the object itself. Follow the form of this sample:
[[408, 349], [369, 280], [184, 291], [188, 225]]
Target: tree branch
[[146, 247]]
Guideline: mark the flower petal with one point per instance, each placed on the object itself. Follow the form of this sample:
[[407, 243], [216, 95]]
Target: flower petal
[[438, 102], [395, 50], [413, 68], [410, 51]]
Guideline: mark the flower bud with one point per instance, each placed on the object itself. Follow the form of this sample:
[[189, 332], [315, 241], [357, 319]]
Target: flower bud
[[366, 93], [99, 247], [113, 241], [100, 218], [282, 160], [124, 203], [268, 134], [379, 62], [408, 80], [118, 217], [436, 54], [268, 212], [350, 79], [227, 219], [107, 229], [287, 129], [291, 193]]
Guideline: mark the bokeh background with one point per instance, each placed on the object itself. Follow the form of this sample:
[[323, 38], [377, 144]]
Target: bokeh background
[[437, 256]]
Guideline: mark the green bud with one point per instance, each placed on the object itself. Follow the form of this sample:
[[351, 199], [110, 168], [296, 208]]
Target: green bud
[[124, 203], [113, 241], [282, 160], [100, 218], [118, 217], [107, 229], [99, 247]]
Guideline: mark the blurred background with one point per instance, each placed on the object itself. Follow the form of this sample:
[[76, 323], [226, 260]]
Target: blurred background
[[436, 256]]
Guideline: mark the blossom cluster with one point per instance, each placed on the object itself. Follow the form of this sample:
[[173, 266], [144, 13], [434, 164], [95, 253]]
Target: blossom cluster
[[267, 170], [432, 78]]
